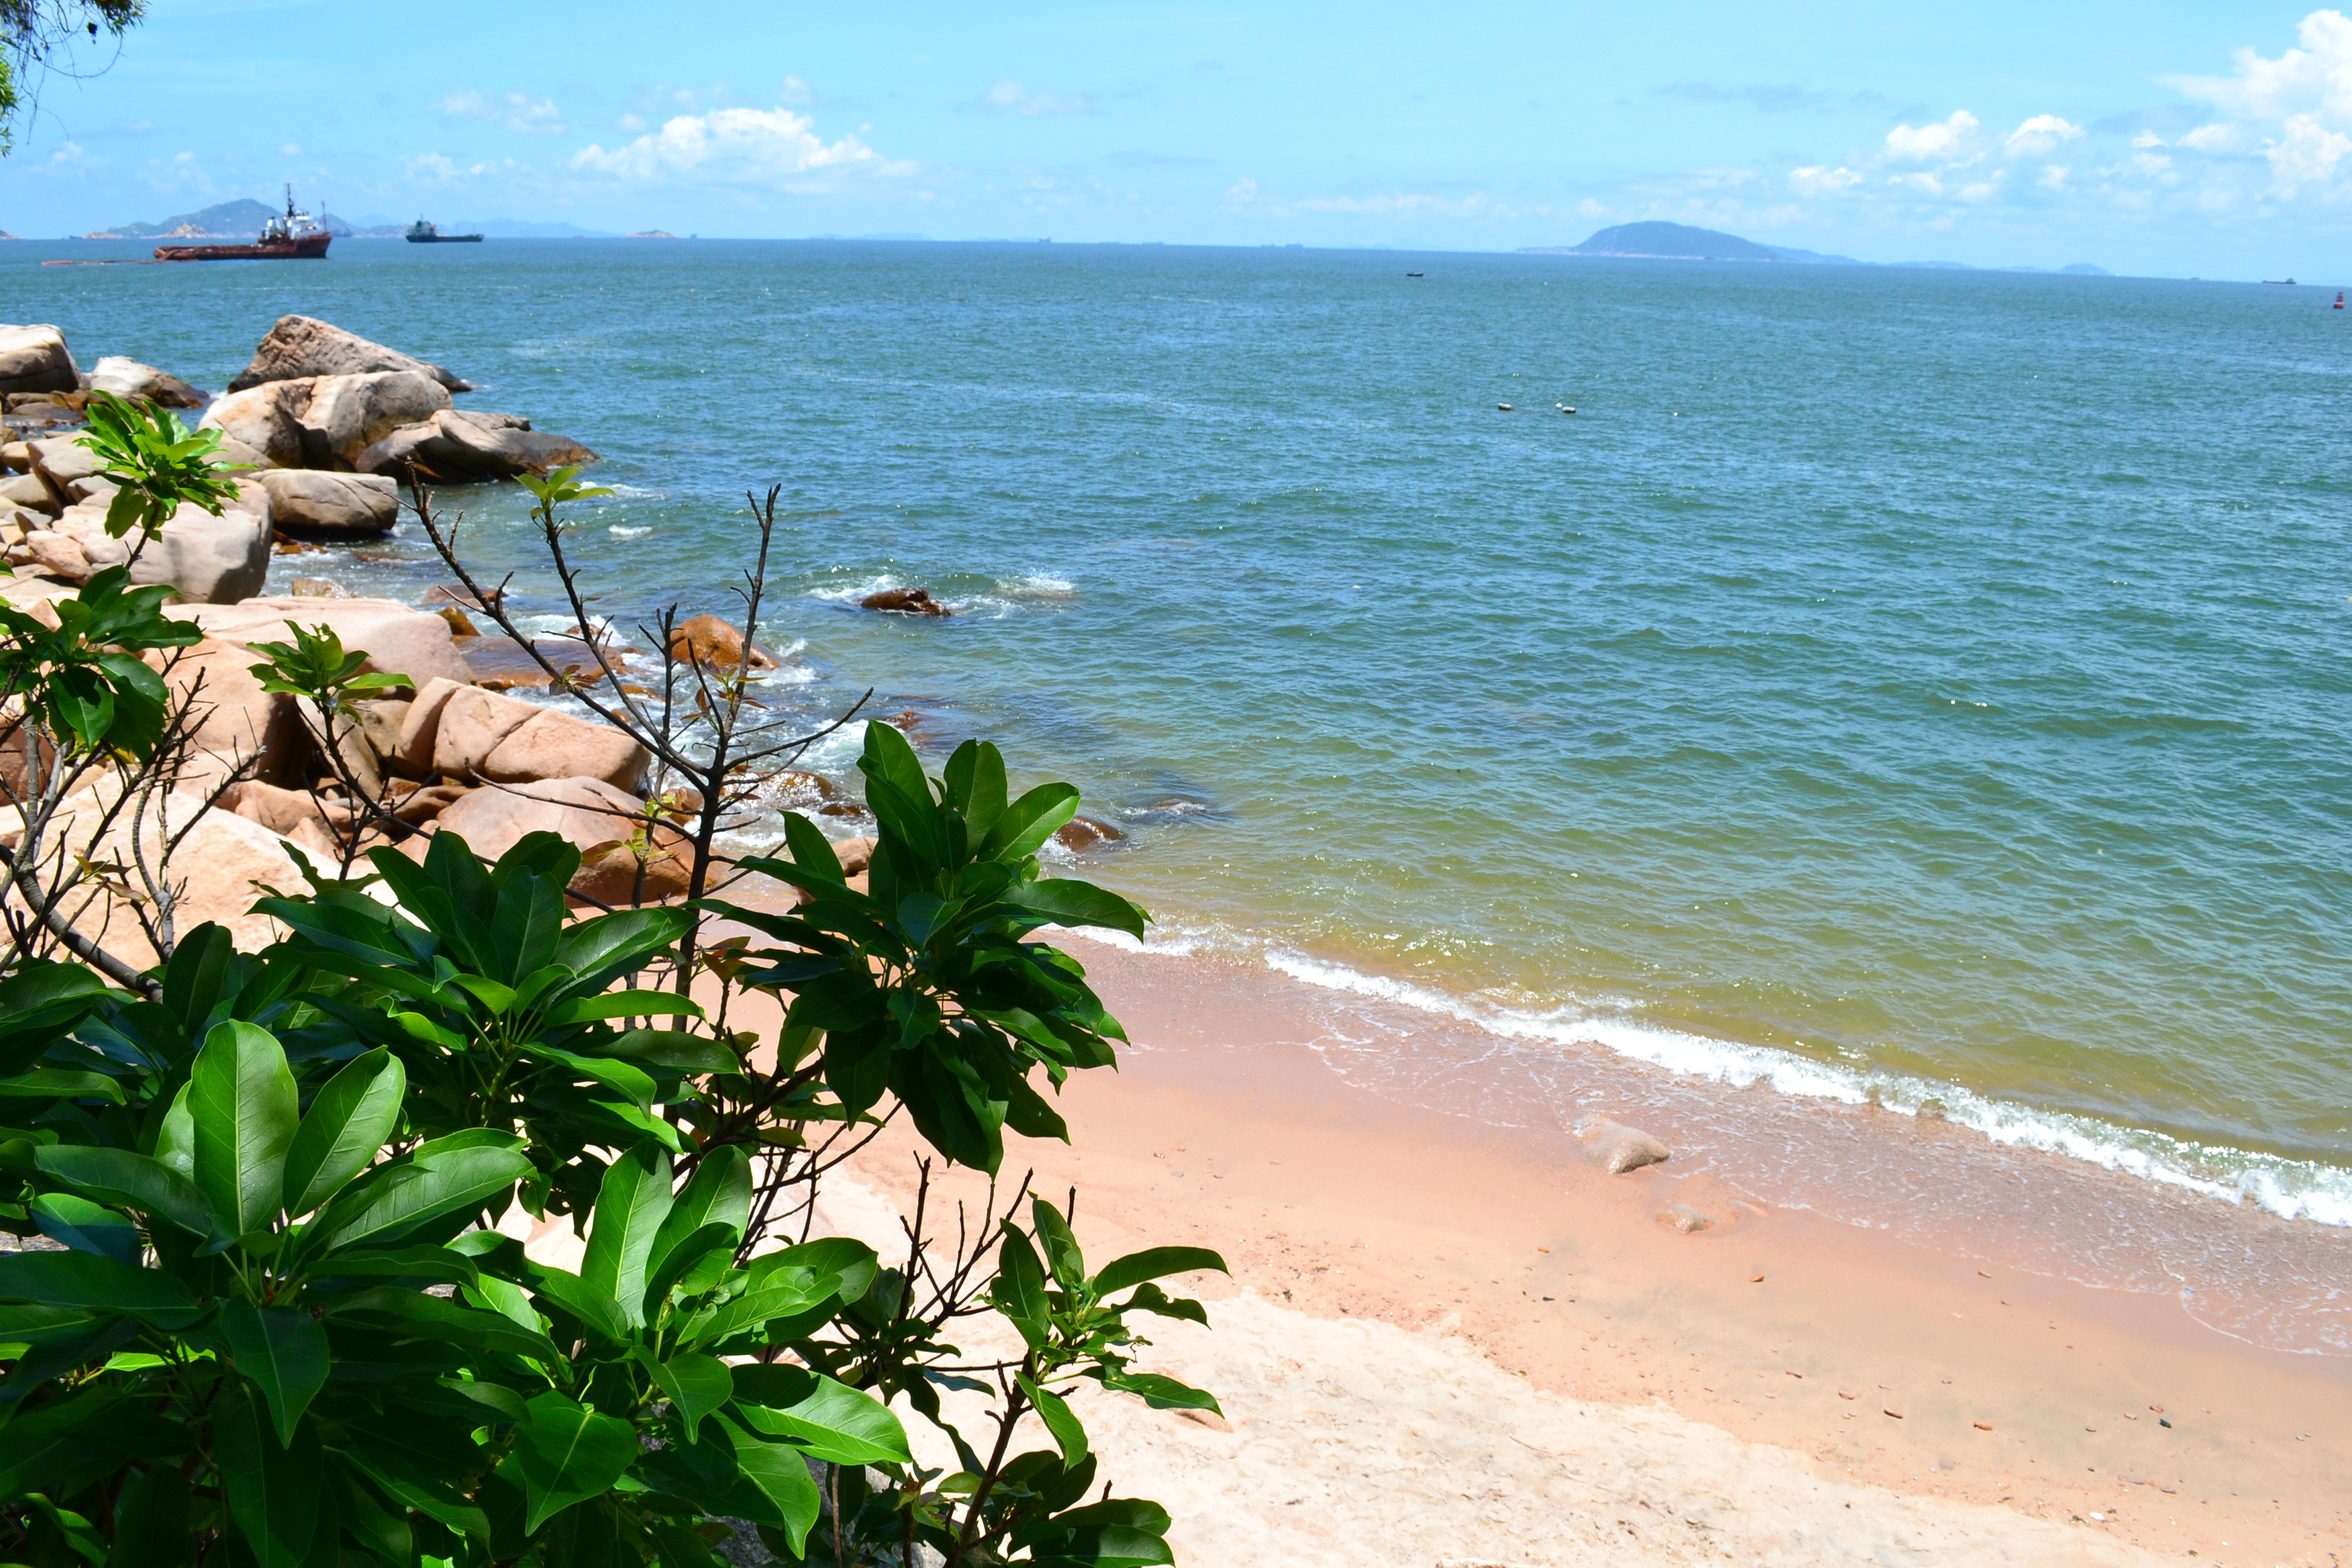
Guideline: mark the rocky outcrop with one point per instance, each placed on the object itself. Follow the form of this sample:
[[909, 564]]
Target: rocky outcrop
[[398, 639], [307, 504], [266, 419], [905, 602], [129, 378], [459, 445], [34, 359], [28, 491], [707, 639], [346, 414], [591, 814], [464, 733], [302, 346], [206, 558], [556, 745], [61, 462]]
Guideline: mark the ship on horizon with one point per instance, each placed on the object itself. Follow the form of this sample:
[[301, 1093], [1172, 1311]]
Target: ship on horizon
[[293, 235], [423, 233]]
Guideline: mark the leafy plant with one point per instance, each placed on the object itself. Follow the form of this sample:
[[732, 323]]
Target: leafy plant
[[159, 463], [83, 678]]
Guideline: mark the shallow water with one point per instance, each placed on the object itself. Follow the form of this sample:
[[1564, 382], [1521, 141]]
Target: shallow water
[[1917, 686]]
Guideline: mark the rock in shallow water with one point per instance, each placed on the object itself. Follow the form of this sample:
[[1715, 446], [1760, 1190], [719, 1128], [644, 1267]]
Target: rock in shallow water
[[1617, 1149], [904, 602]]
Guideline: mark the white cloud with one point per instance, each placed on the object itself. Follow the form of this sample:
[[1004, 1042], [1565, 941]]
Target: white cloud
[[2317, 76], [288, 150], [1820, 180], [1006, 96], [2215, 139], [1938, 141], [2309, 154], [515, 111], [2042, 135], [756, 146]]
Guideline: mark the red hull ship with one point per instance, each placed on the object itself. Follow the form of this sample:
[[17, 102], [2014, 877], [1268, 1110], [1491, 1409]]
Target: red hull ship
[[296, 236]]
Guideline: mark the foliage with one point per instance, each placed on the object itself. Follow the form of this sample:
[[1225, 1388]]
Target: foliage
[[33, 33], [84, 678], [159, 463], [280, 1332]]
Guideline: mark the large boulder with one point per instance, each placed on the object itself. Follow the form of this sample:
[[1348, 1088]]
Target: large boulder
[[299, 346], [349, 414], [267, 419], [398, 639], [589, 813], [26, 490], [60, 461], [552, 745], [468, 726], [237, 722], [707, 639], [129, 378], [459, 445], [206, 557], [34, 359], [306, 504]]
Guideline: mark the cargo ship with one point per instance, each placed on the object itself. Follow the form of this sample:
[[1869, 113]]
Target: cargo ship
[[423, 232], [294, 237]]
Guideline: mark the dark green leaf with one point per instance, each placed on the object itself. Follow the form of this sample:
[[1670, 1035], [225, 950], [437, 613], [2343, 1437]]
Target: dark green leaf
[[84, 1279], [830, 1420], [273, 1489], [1019, 1289], [1029, 822], [1154, 1263], [780, 1477], [283, 1352], [241, 1096], [1066, 901], [1162, 1392], [348, 1121], [133, 1181], [151, 1523], [1069, 1434], [87, 1227], [630, 1207], [565, 1453], [435, 1181], [697, 1385]]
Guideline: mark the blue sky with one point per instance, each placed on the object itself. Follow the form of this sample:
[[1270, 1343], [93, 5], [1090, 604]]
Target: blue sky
[[2156, 138]]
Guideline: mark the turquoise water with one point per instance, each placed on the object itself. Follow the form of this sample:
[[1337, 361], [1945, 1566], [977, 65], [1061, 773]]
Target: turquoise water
[[1913, 684]]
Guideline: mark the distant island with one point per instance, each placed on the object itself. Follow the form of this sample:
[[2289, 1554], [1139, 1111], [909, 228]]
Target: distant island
[[1680, 242], [242, 219]]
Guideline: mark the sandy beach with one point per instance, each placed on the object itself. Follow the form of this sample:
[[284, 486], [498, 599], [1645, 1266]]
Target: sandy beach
[[1446, 1341]]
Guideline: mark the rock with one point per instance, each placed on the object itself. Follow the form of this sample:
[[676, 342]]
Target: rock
[[458, 593], [1081, 834], [459, 446], [129, 378], [591, 814], [315, 589], [60, 462], [98, 487], [425, 802], [1618, 1149], [459, 625], [855, 855], [206, 558], [34, 359], [347, 413], [468, 726], [380, 722], [237, 721], [551, 745], [17, 457], [52, 555], [707, 639], [28, 491], [309, 504], [419, 726], [299, 346], [905, 602], [1684, 1218], [281, 811], [266, 419], [398, 639]]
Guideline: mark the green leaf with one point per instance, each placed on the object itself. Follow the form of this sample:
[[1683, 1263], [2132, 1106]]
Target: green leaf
[[60, 1083], [697, 1385], [132, 1181], [719, 1193], [1019, 1289], [414, 1315], [242, 1097], [631, 1205], [830, 1420], [595, 1310], [84, 1279], [151, 1523], [89, 1227], [621, 1005], [1062, 1254], [780, 1476], [1028, 822], [273, 1489], [564, 1454], [1069, 1434], [1154, 1263], [1162, 1392], [1066, 901], [283, 1353], [714, 1244], [434, 1182], [348, 1121]]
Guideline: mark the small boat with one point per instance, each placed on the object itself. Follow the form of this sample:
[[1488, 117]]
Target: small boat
[[1504, 408], [1565, 407], [294, 237], [423, 232], [1412, 274]]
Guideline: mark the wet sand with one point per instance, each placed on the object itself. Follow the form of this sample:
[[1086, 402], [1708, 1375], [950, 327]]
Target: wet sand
[[1948, 1359]]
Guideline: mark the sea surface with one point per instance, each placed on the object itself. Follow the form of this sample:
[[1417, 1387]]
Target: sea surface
[[1924, 688]]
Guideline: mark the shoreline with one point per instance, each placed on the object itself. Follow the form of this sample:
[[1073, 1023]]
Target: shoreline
[[1232, 1125]]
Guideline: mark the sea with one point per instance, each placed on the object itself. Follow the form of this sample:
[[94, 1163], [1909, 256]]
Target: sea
[[1914, 688]]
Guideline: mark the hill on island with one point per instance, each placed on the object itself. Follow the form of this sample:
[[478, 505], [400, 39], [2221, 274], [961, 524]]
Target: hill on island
[[1667, 241], [240, 219]]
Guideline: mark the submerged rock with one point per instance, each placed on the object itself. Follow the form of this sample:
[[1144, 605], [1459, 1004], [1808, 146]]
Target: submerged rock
[[707, 639], [299, 346], [905, 602], [1081, 834]]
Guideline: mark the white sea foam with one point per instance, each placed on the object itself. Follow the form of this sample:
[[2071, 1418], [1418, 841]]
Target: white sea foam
[[618, 531], [2289, 1188]]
